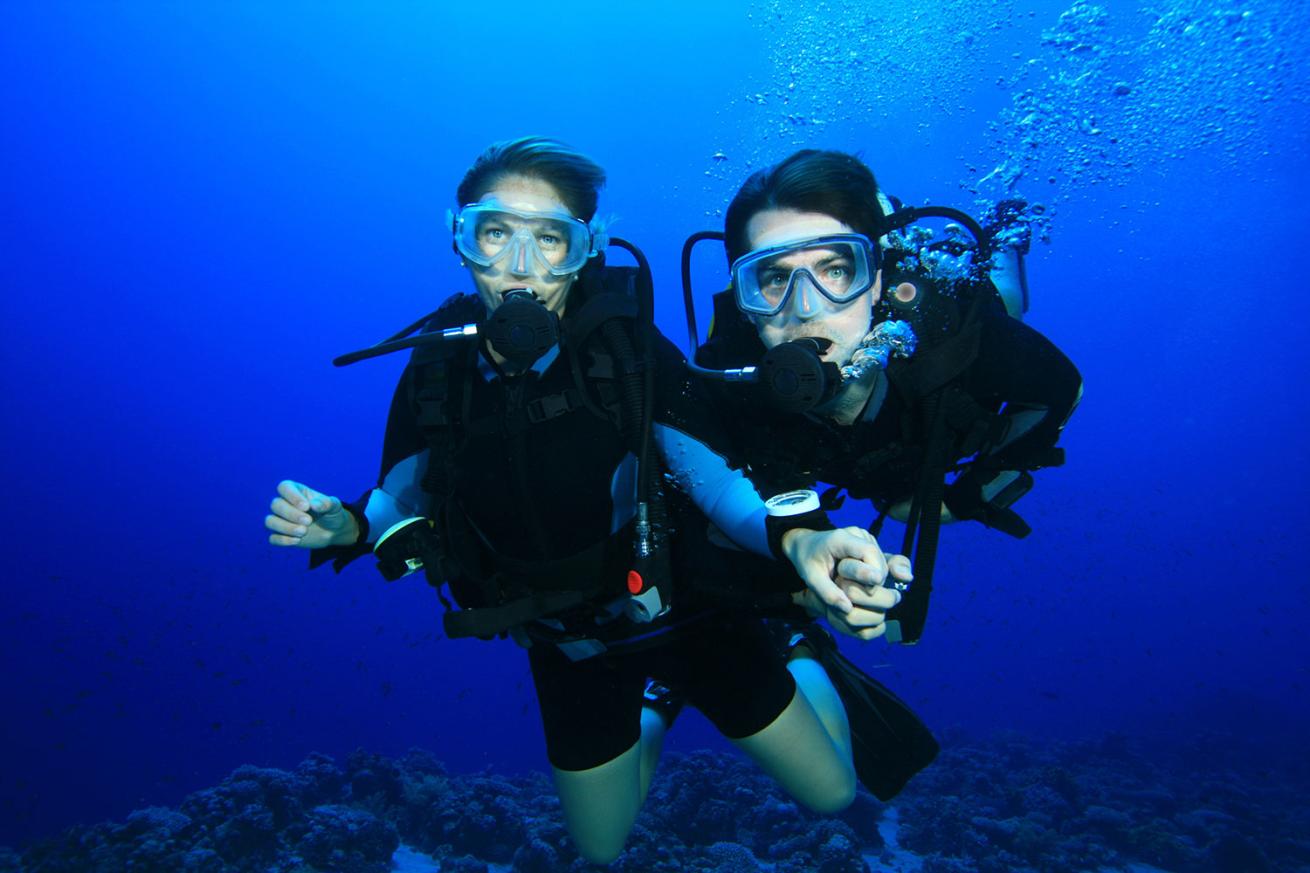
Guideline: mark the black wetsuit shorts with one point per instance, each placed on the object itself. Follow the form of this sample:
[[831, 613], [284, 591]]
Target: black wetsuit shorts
[[728, 667]]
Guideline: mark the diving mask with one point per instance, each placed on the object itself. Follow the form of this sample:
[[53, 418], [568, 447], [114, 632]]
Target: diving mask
[[524, 243], [841, 267]]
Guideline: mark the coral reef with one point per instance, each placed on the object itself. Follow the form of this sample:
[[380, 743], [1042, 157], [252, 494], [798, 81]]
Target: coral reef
[[1008, 804], [1017, 804]]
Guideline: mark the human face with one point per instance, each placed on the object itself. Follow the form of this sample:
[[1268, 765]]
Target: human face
[[521, 269], [808, 313]]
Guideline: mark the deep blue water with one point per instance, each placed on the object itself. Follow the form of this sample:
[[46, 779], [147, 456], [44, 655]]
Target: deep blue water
[[202, 205]]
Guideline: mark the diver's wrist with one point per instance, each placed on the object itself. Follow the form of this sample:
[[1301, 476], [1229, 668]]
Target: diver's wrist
[[354, 528], [789, 514], [348, 535], [788, 542]]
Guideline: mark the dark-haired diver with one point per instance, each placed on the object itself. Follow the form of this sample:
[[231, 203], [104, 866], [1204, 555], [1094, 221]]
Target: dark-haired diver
[[881, 363], [519, 468]]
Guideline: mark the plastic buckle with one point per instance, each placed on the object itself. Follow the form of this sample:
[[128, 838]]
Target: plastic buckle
[[431, 411], [581, 650], [548, 407], [646, 607]]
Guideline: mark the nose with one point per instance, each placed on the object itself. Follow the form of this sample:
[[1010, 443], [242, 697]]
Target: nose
[[518, 258], [806, 303]]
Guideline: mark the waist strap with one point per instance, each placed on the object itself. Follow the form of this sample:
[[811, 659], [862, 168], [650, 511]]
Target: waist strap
[[492, 620]]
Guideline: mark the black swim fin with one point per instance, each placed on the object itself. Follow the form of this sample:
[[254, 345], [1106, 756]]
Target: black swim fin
[[889, 742]]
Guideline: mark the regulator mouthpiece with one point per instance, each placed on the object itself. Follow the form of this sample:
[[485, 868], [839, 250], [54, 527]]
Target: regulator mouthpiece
[[521, 329], [795, 375]]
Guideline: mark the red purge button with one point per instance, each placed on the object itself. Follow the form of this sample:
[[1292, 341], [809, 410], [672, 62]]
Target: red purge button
[[635, 582]]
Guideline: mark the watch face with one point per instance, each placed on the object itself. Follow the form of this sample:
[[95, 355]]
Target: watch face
[[792, 503]]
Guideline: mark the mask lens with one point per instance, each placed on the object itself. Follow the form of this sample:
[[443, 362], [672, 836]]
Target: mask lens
[[528, 241], [772, 279], [841, 267], [554, 241], [835, 272], [491, 234]]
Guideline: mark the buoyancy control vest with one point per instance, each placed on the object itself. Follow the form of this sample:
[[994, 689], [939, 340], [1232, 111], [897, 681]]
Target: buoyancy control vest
[[591, 405], [785, 450], [941, 426]]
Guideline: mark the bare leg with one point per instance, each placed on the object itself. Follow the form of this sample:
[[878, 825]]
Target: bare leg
[[814, 683], [653, 729], [798, 751], [601, 804]]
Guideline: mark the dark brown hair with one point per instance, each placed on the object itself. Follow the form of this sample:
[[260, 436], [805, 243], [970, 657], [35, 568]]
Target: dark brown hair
[[833, 183], [576, 177]]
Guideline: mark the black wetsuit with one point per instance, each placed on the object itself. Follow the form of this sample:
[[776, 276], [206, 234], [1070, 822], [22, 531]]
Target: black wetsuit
[[1012, 401], [532, 477]]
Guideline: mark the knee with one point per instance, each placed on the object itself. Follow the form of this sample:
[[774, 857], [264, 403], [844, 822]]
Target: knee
[[599, 851], [597, 839], [831, 799], [600, 805]]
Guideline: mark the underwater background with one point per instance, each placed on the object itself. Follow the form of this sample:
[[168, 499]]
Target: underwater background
[[204, 203]]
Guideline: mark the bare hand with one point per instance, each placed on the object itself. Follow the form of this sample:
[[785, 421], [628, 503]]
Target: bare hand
[[308, 519], [845, 572], [835, 619], [832, 561]]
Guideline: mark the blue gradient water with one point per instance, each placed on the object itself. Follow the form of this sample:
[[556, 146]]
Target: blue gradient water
[[202, 205]]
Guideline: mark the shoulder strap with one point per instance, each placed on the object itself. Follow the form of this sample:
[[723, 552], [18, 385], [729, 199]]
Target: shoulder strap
[[906, 621], [438, 396], [614, 298]]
